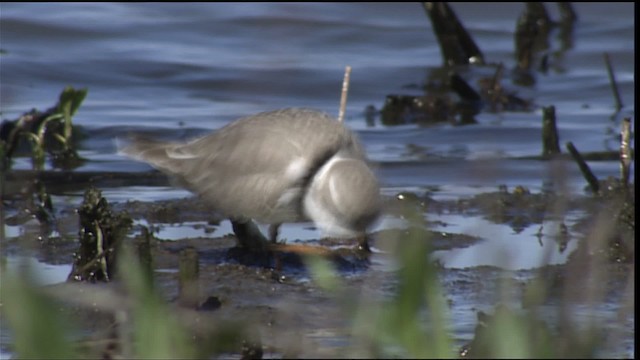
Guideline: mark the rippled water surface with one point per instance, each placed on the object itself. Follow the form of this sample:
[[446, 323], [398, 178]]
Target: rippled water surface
[[180, 70]]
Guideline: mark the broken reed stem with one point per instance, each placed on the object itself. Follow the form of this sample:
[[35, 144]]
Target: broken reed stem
[[189, 269], [625, 150], [584, 168], [345, 90], [612, 80], [100, 248], [550, 139]]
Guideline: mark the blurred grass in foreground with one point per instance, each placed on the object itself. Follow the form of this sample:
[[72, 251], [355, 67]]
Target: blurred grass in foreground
[[414, 322], [144, 325], [38, 329]]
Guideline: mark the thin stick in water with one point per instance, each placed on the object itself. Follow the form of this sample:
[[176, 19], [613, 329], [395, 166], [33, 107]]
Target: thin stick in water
[[625, 151], [189, 268], [345, 90], [584, 168], [612, 80], [550, 142]]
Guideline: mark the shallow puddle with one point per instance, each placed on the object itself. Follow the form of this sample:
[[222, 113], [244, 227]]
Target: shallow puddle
[[502, 247]]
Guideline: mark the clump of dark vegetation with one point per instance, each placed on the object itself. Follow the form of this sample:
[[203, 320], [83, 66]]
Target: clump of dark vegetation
[[410, 109], [460, 53], [101, 234], [456, 44], [36, 203], [519, 208], [49, 131]]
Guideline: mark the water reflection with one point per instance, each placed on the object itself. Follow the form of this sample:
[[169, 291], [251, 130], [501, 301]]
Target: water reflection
[[501, 246], [42, 273]]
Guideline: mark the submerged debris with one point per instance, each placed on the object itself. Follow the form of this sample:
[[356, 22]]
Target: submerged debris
[[101, 233], [531, 37], [36, 203], [518, 208], [497, 98], [550, 139], [456, 44], [423, 110], [436, 105]]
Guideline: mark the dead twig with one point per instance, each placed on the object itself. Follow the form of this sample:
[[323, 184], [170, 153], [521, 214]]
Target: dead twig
[[345, 90], [612, 80], [584, 168], [625, 151], [550, 139]]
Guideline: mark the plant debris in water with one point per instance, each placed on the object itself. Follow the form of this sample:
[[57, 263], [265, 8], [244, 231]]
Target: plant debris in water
[[459, 51], [36, 204], [49, 131], [101, 233], [456, 44]]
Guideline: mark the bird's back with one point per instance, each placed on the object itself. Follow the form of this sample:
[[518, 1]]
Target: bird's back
[[256, 166]]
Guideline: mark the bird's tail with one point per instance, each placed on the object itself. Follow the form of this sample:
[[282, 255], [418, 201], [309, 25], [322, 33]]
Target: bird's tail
[[154, 152]]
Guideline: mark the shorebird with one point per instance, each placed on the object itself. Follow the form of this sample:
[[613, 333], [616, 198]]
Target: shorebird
[[287, 165]]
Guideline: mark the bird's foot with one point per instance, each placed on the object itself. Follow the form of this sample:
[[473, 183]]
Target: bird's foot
[[363, 244], [249, 236], [273, 234]]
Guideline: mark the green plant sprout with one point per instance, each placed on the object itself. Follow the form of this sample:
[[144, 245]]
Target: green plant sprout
[[37, 127]]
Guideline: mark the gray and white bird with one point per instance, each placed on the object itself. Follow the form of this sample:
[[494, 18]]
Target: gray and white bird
[[280, 166]]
